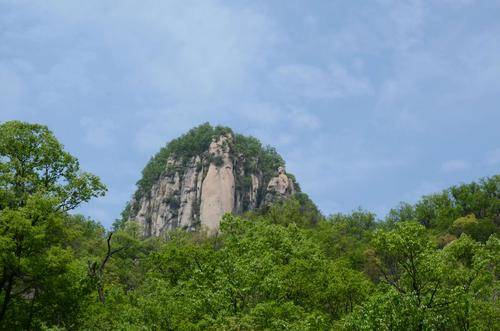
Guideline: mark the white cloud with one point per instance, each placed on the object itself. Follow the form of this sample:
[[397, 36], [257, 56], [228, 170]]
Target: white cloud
[[455, 165], [205, 49], [269, 115], [99, 133], [424, 188], [11, 86], [493, 157], [458, 3], [315, 82], [305, 119], [190, 51], [407, 20], [347, 94]]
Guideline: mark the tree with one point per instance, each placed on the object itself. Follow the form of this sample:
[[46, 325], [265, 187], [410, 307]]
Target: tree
[[423, 288], [298, 209], [39, 183], [96, 270], [479, 229], [439, 211]]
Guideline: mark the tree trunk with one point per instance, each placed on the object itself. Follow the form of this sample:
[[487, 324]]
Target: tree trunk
[[6, 300]]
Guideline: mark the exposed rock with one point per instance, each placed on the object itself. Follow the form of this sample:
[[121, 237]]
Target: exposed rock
[[254, 191], [196, 192], [218, 189], [160, 210], [188, 195], [280, 187]]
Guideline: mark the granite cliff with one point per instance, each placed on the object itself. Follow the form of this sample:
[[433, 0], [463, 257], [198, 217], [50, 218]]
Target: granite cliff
[[194, 180]]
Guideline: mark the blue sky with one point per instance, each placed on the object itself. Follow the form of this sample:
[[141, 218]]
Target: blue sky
[[369, 102]]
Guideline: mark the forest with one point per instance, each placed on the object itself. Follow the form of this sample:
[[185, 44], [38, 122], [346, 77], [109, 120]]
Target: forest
[[428, 265]]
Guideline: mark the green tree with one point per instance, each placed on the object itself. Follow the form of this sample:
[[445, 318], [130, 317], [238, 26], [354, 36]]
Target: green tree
[[39, 183], [298, 210], [439, 211], [423, 288], [479, 229], [346, 236]]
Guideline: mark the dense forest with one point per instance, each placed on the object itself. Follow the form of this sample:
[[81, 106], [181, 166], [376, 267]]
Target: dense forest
[[431, 265]]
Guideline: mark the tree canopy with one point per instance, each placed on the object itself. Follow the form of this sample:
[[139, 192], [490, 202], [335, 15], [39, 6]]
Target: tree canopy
[[196, 142], [39, 183], [432, 265]]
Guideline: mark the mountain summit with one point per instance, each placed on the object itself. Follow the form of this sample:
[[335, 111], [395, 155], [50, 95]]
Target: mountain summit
[[209, 171]]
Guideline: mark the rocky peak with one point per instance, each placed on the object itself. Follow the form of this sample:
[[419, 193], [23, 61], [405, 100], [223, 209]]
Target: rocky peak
[[219, 147], [218, 185], [197, 178], [280, 187]]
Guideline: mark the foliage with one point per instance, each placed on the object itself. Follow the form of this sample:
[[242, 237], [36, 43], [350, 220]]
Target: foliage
[[34, 162], [39, 183], [346, 237], [298, 210], [119, 223], [246, 149], [477, 205], [427, 289], [194, 142], [479, 229], [432, 265]]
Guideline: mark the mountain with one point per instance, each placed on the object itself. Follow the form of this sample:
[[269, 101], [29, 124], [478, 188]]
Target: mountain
[[209, 171]]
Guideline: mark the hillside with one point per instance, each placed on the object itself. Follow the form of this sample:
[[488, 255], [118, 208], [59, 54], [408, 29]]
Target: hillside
[[203, 174], [429, 265]]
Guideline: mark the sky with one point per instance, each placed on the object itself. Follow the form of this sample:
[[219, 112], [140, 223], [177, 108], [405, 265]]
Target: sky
[[369, 102]]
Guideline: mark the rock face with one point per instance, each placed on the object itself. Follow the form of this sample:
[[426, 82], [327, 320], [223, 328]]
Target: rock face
[[218, 187], [280, 187], [195, 193]]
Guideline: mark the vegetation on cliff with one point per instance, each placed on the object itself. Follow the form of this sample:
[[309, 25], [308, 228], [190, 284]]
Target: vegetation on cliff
[[196, 142], [432, 265], [190, 172]]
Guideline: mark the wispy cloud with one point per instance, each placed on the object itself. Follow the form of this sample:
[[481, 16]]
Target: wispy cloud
[[493, 157], [334, 81], [356, 97], [455, 165], [100, 134]]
